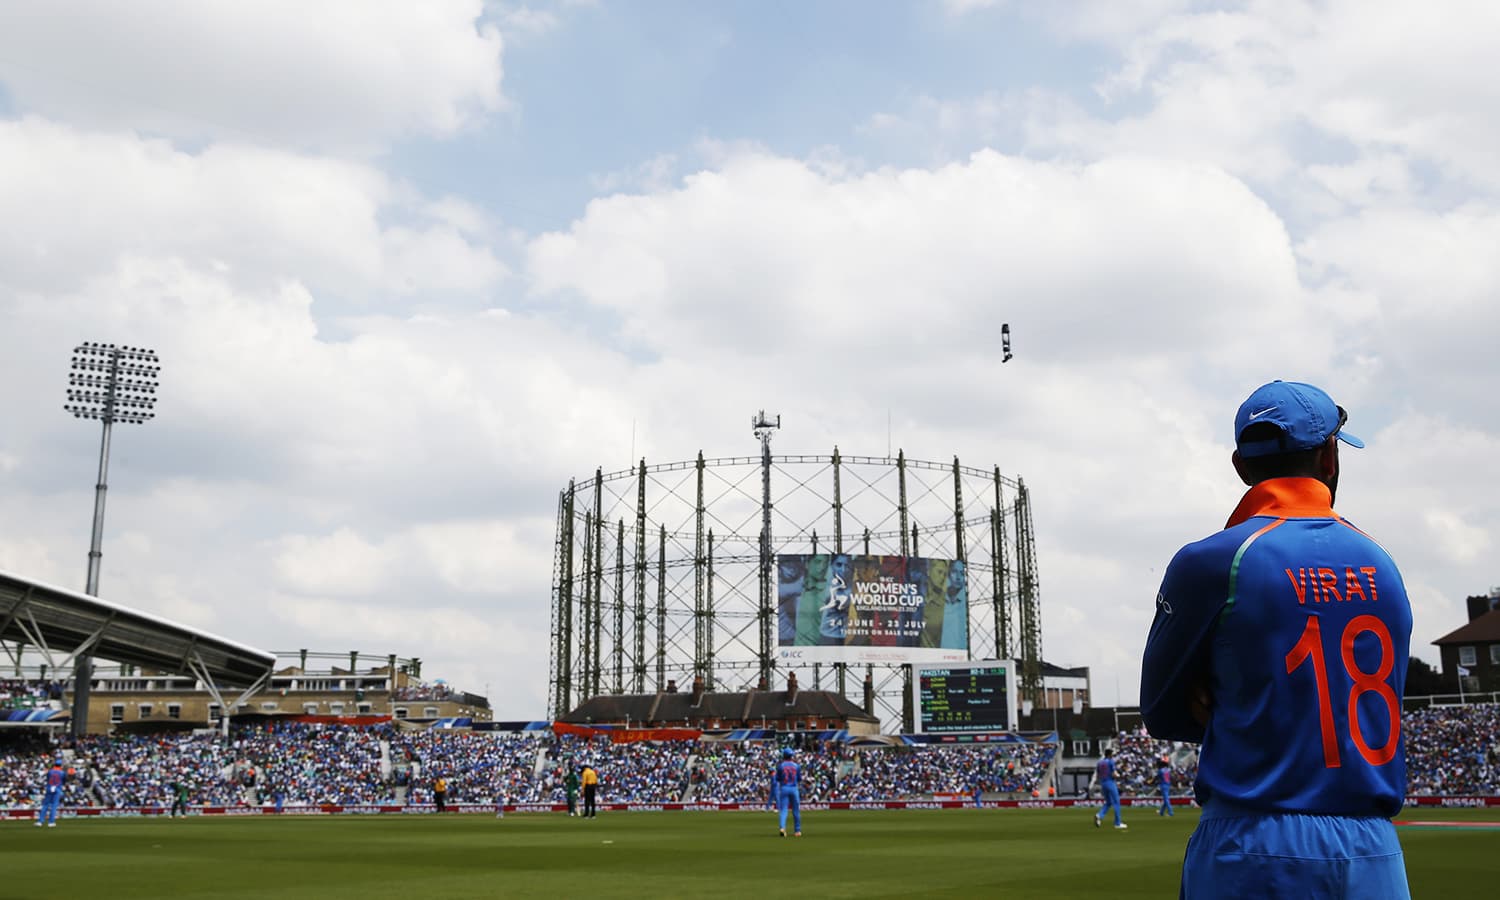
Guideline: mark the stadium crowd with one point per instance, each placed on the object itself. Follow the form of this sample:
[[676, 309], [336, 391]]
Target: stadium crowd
[[17, 693], [1138, 760], [1450, 750], [139, 770], [478, 767], [741, 772], [901, 773], [297, 763], [436, 691]]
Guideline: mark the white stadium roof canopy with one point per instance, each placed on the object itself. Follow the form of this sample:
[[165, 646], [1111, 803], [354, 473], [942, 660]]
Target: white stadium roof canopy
[[55, 620]]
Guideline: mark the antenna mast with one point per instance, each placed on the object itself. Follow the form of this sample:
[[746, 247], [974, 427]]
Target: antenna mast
[[764, 427]]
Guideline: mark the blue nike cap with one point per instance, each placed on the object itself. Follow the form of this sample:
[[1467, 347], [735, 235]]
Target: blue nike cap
[[1306, 415]]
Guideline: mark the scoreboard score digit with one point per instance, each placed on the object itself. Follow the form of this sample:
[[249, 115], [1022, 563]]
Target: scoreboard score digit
[[965, 697]]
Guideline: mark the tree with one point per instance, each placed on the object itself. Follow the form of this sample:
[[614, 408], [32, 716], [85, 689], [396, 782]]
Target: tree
[[1423, 680]]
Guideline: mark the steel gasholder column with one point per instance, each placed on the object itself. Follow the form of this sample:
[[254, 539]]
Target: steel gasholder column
[[639, 662]]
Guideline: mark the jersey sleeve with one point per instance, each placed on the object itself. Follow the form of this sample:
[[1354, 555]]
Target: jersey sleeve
[[1193, 593]]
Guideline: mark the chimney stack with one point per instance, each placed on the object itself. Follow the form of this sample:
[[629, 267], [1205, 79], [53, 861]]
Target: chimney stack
[[697, 689], [869, 693], [1480, 605], [791, 689], [671, 686]]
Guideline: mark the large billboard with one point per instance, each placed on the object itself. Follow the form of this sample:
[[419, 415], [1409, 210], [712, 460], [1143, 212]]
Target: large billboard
[[841, 607]]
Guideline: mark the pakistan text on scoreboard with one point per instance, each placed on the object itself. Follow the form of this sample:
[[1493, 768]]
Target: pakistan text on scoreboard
[[964, 698]]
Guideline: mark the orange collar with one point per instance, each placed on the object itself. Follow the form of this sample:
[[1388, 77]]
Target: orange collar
[[1303, 498]]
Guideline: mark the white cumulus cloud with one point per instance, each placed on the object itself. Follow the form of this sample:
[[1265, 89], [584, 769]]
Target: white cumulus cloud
[[342, 74]]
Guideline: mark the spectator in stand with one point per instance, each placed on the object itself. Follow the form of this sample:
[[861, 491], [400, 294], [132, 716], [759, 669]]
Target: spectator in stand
[[478, 764], [647, 773], [775, 794], [735, 773], [314, 763], [18, 693], [920, 772], [1138, 764], [1453, 750]]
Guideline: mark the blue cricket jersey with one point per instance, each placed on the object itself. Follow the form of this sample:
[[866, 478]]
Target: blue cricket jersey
[[788, 774], [1106, 770], [1299, 625]]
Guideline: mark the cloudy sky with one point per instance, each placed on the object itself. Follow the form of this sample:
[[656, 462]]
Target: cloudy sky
[[410, 266]]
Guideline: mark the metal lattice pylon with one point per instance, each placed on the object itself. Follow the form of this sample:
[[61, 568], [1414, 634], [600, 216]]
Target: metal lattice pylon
[[699, 537], [1030, 601]]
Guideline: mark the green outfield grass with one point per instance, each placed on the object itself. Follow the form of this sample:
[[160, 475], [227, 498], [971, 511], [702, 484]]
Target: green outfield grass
[[929, 853]]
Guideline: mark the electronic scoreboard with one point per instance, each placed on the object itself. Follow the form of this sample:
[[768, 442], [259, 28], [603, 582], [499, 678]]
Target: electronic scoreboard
[[963, 698]]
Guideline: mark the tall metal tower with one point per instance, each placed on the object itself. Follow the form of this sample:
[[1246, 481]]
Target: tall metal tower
[[1029, 602], [763, 428], [111, 384]]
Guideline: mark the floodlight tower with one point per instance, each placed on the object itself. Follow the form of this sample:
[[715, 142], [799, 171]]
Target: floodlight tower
[[111, 384], [763, 427]]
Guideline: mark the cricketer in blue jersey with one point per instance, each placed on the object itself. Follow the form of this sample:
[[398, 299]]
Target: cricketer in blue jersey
[[1105, 771], [52, 792], [789, 791], [1164, 779], [1281, 644]]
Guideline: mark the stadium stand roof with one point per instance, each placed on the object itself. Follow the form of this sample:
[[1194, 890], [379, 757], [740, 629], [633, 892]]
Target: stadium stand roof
[[1053, 671], [57, 620], [734, 706]]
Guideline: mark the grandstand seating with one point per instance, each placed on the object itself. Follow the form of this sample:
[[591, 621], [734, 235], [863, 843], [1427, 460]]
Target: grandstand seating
[[17, 693], [1453, 750], [1138, 758], [1450, 750]]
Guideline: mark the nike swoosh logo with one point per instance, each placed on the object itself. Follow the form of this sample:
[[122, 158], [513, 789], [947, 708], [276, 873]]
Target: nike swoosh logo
[[1257, 415]]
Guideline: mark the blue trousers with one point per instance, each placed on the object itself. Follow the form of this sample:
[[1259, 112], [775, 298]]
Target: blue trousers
[[1166, 799], [1237, 853], [50, 801], [791, 800], [1111, 799]]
